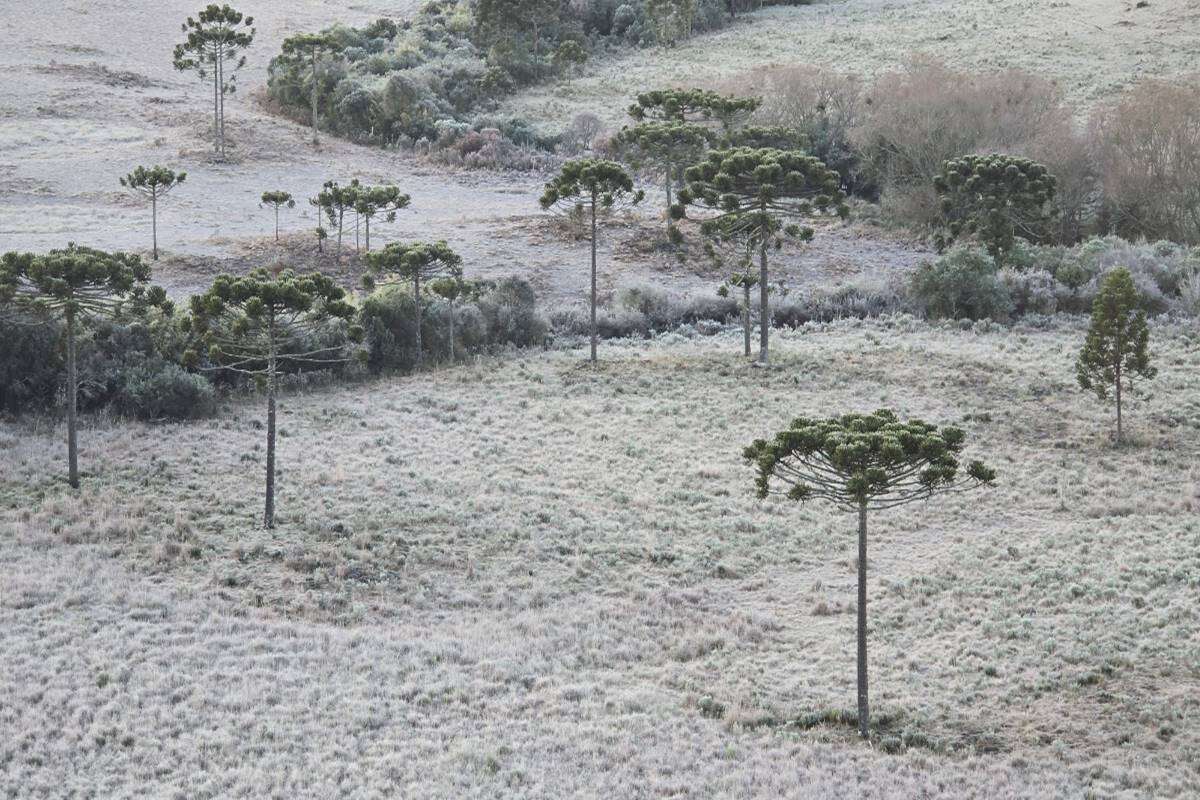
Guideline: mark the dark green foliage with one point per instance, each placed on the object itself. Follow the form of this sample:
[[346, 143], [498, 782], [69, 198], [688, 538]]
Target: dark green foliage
[[583, 180], [757, 196], [568, 56], [994, 198], [694, 106], [515, 31], [153, 183], [127, 365], [31, 363], [1117, 346], [863, 459], [962, 284], [862, 463], [488, 316], [215, 40], [165, 391]]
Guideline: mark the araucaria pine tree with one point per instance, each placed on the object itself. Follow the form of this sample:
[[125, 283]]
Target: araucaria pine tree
[[216, 38], [995, 198], [75, 284], [450, 289], [664, 149], [277, 200], [587, 186], [416, 262], [758, 194], [696, 106], [309, 47], [153, 182], [258, 324], [332, 202], [862, 463], [1117, 346], [372, 200], [742, 282]]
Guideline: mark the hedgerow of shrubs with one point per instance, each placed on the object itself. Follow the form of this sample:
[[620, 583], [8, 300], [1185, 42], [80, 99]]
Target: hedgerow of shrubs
[[504, 314], [430, 81]]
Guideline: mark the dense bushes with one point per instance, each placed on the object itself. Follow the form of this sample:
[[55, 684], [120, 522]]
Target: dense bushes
[[504, 313], [129, 366], [406, 83], [1043, 280], [1134, 170]]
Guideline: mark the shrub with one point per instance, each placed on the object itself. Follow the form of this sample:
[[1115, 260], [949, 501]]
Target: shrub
[[961, 284], [1149, 154], [927, 114], [164, 391], [505, 314], [31, 364], [819, 105], [510, 316]]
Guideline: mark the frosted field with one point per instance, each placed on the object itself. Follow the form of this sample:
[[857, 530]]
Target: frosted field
[[522, 578]]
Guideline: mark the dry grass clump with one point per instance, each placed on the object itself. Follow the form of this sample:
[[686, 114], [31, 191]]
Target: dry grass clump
[[524, 578]]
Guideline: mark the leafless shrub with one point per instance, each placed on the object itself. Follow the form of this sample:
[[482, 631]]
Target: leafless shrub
[[1148, 145], [927, 113]]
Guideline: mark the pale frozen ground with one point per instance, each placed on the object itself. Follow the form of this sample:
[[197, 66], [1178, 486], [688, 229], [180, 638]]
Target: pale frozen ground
[[83, 105], [520, 578], [1093, 48]]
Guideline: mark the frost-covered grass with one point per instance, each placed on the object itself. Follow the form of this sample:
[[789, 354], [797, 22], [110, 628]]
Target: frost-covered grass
[[526, 578], [1093, 49]]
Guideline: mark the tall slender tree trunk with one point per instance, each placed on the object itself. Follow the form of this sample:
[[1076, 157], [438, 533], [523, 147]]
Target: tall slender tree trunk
[[72, 405], [451, 301], [221, 69], [154, 222], [593, 318], [746, 315], [216, 108], [863, 710], [1119, 431], [357, 225], [277, 223], [764, 309], [269, 511], [417, 300], [368, 227], [341, 217], [314, 93], [670, 179]]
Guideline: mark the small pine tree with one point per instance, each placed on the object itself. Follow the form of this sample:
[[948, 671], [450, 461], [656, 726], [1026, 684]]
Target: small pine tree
[[416, 262], [1117, 345], [153, 182], [450, 289], [257, 324], [995, 198], [75, 284], [862, 463], [585, 186], [372, 200], [215, 37], [742, 282], [277, 200]]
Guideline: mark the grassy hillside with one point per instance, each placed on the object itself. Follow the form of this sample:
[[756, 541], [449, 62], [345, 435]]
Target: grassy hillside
[[1094, 49], [525, 578]]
